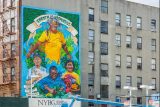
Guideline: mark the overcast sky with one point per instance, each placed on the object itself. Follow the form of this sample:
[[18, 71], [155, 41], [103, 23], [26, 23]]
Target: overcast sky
[[147, 2]]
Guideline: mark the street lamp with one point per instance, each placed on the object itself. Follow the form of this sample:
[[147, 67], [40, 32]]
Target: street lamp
[[147, 87], [130, 93]]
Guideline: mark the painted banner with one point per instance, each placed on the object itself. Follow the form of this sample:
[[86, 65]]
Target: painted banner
[[50, 53]]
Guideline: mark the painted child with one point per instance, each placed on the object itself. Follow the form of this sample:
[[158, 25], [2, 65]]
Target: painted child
[[71, 78]]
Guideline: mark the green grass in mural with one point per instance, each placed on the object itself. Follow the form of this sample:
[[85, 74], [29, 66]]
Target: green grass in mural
[[29, 15]]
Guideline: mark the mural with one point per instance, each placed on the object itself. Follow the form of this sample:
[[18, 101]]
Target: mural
[[50, 53]]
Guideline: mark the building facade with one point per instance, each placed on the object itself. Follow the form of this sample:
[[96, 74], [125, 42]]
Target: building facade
[[9, 48], [119, 46]]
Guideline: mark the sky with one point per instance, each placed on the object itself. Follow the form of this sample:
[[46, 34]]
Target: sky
[[154, 3]]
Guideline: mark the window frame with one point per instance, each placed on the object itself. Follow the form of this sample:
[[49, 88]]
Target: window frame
[[153, 84], [90, 57], [153, 64], [139, 63], [104, 72], [104, 90], [139, 23], [128, 83], [153, 25], [128, 20], [128, 42], [118, 19], [129, 63], [139, 82], [139, 42], [118, 39], [104, 9], [91, 34], [153, 44], [118, 60], [104, 27], [104, 48], [13, 25], [118, 81], [91, 14]]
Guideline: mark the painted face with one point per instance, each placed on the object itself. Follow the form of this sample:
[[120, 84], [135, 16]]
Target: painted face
[[54, 26], [37, 61], [53, 73], [69, 66]]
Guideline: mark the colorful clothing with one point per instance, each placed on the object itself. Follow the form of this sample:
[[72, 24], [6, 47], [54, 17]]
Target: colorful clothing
[[53, 44], [35, 71], [74, 75], [51, 83]]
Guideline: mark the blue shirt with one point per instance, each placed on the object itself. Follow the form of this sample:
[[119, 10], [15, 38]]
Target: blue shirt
[[51, 83]]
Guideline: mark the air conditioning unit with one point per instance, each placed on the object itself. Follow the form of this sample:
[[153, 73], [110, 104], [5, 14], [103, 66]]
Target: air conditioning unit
[[129, 25]]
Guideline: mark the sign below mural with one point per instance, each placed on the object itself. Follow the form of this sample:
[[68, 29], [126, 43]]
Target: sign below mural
[[47, 102], [50, 54]]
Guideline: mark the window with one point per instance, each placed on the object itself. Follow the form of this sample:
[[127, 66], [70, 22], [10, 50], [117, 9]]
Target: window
[[139, 63], [13, 74], [91, 67], [118, 81], [91, 35], [153, 25], [4, 4], [153, 83], [104, 91], [12, 24], [128, 21], [90, 79], [104, 27], [139, 43], [128, 41], [104, 6], [4, 28], [118, 60], [118, 19], [91, 85], [91, 46], [129, 81], [139, 100], [129, 62], [139, 82], [91, 14], [90, 104], [12, 3], [13, 49], [153, 64], [4, 74], [118, 40], [139, 23], [104, 48], [104, 69], [90, 57], [153, 44], [5, 51]]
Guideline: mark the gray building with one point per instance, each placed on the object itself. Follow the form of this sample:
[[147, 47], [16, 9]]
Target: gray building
[[119, 46]]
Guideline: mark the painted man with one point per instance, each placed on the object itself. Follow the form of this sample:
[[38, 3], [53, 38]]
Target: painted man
[[53, 41], [37, 70]]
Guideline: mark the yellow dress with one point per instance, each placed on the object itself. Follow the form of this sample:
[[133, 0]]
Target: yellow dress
[[53, 43]]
